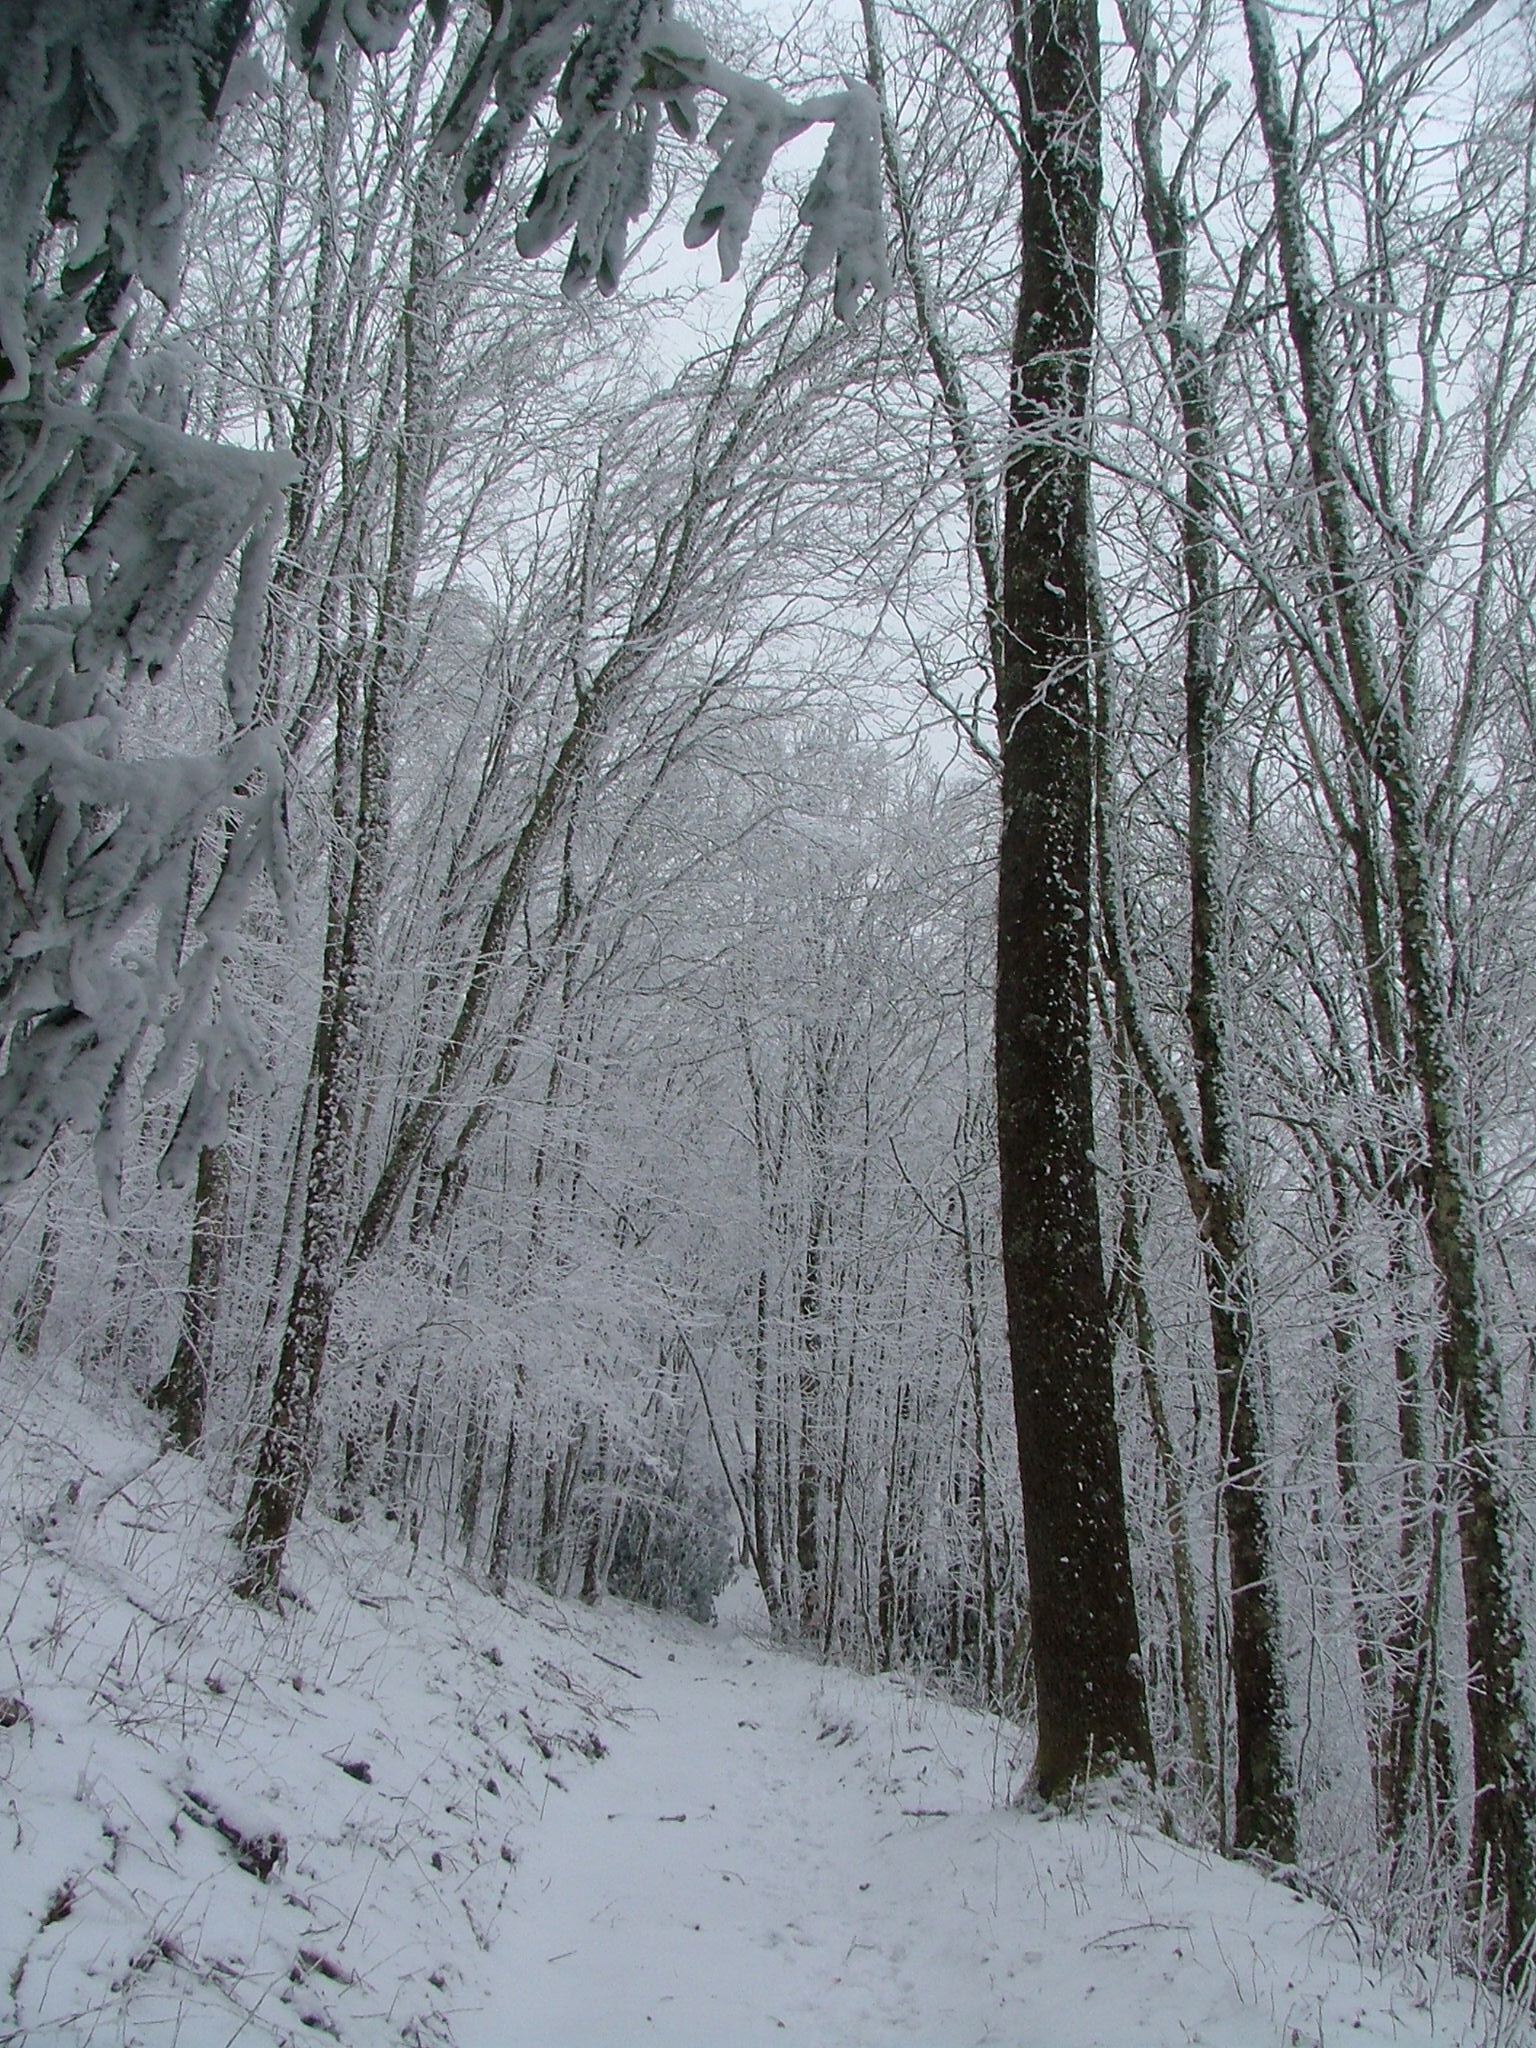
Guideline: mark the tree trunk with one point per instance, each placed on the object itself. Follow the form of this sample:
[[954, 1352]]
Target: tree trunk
[[182, 1394], [1132, 1274], [282, 1466], [1264, 1815], [1503, 1735], [987, 1659], [31, 1311], [808, 1486], [1092, 1711], [499, 1566], [472, 1478]]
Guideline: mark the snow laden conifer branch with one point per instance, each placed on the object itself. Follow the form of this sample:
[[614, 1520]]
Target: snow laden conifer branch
[[114, 919], [129, 856], [623, 67], [106, 116]]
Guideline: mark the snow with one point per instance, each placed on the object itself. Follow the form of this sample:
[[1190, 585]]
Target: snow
[[486, 1822]]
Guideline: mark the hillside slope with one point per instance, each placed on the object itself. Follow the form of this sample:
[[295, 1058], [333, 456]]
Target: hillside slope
[[405, 1812]]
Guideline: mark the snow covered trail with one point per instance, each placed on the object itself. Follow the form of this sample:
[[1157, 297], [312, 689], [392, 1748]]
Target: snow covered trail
[[733, 1873], [774, 1851]]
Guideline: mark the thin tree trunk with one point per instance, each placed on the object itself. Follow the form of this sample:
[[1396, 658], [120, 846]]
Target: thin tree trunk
[[1265, 1799], [840, 1507], [282, 1465], [888, 1595], [1407, 1738], [499, 1566], [808, 1486], [987, 1646], [1344, 1336], [762, 1440], [1132, 1271], [182, 1393], [472, 1478], [31, 1311], [1503, 1734]]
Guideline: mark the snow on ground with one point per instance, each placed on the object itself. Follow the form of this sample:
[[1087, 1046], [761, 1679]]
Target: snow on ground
[[405, 1812]]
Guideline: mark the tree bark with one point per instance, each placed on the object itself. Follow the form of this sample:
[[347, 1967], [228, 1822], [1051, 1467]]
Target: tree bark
[[182, 1394], [282, 1466], [1092, 1714], [31, 1310]]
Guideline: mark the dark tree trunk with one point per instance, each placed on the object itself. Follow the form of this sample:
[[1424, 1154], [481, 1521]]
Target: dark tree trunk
[[472, 1479], [808, 1486], [1091, 1700], [31, 1311], [499, 1567], [763, 1546], [182, 1394]]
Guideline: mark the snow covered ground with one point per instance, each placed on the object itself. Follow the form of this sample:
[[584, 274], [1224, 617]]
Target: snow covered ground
[[406, 1812]]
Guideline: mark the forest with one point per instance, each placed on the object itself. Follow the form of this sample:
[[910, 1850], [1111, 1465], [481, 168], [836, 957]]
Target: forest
[[769, 807]]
